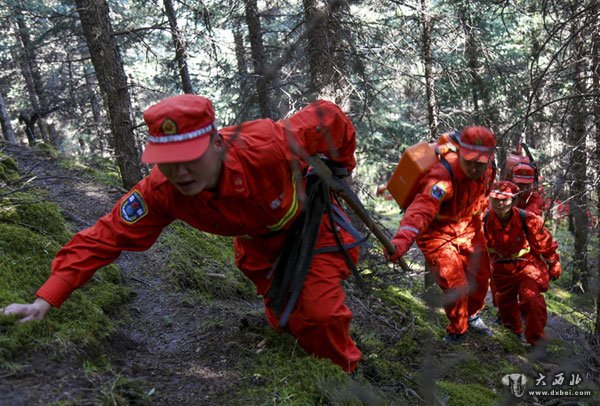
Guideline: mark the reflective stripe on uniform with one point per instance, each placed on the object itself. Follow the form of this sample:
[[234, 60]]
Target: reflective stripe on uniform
[[409, 228], [292, 210], [522, 253]]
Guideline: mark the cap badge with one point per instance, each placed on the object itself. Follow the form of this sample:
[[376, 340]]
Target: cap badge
[[478, 142], [168, 127]]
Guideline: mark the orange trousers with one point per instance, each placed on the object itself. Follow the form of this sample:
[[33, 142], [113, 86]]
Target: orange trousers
[[519, 286], [461, 269], [320, 320]]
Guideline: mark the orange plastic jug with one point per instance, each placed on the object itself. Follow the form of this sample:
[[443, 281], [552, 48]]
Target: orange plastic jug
[[414, 162]]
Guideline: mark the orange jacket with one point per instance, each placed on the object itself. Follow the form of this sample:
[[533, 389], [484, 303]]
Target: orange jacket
[[516, 242], [444, 207], [259, 194]]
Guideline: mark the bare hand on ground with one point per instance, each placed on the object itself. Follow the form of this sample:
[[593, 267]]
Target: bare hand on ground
[[34, 311]]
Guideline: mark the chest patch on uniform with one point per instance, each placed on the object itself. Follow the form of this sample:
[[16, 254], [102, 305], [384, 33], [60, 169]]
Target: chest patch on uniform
[[238, 183], [437, 192], [133, 207]]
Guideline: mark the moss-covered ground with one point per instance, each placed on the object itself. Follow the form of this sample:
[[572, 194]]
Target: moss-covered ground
[[31, 232], [398, 325], [203, 264], [103, 170]]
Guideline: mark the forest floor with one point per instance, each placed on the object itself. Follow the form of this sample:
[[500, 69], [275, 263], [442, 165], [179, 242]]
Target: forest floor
[[158, 344], [163, 347]]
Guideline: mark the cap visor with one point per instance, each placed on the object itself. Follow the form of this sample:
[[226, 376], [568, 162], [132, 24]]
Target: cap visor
[[518, 179], [499, 196], [180, 151], [476, 156]]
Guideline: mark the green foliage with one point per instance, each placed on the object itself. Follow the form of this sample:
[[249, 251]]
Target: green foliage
[[565, 240], [398, 337], [522, 56], [476, 368], [576, 309], [281, 373], [119, 389], [25, 258], [122, 390], [42, 217], [466, 394], [415, 353], [8, 170], [46, 149], [390, 359], [509, 342], [102, 170], [563, 298], [204, 264], [413, 307]]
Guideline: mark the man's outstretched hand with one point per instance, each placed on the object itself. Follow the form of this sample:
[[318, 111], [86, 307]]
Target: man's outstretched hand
[[402, 242], [28, 312], [555, 270]]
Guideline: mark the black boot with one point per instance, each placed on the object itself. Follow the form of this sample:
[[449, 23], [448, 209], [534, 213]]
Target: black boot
[[451, 338]]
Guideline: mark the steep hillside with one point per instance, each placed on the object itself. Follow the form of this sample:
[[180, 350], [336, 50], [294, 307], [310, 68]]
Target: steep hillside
[[180, 325]]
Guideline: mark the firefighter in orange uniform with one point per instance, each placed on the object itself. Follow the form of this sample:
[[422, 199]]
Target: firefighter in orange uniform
[[445, 220], [244, 181], [529, 199], [523, 258]]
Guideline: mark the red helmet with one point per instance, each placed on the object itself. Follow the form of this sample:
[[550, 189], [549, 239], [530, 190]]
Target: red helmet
[[523, 173], [477, 144], [504, 190]]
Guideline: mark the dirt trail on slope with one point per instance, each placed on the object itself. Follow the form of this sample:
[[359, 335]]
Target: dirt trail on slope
[[180, 350], [169, 346]]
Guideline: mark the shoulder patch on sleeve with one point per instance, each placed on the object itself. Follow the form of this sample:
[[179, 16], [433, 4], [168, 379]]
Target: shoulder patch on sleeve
[[133, 207], [438, 192]]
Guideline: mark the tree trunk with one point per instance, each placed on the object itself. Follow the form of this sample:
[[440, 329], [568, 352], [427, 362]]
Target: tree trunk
[[579, 163], [484, 114], [7, 130], [97, 29], [180, 52], [432, 117], [242, 68], [473, 65], [328, 64], [532, 126], [28, 119], [98, 145], [33, 79], [596, 106], [259, 60], [33, 99], [428, 64]]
